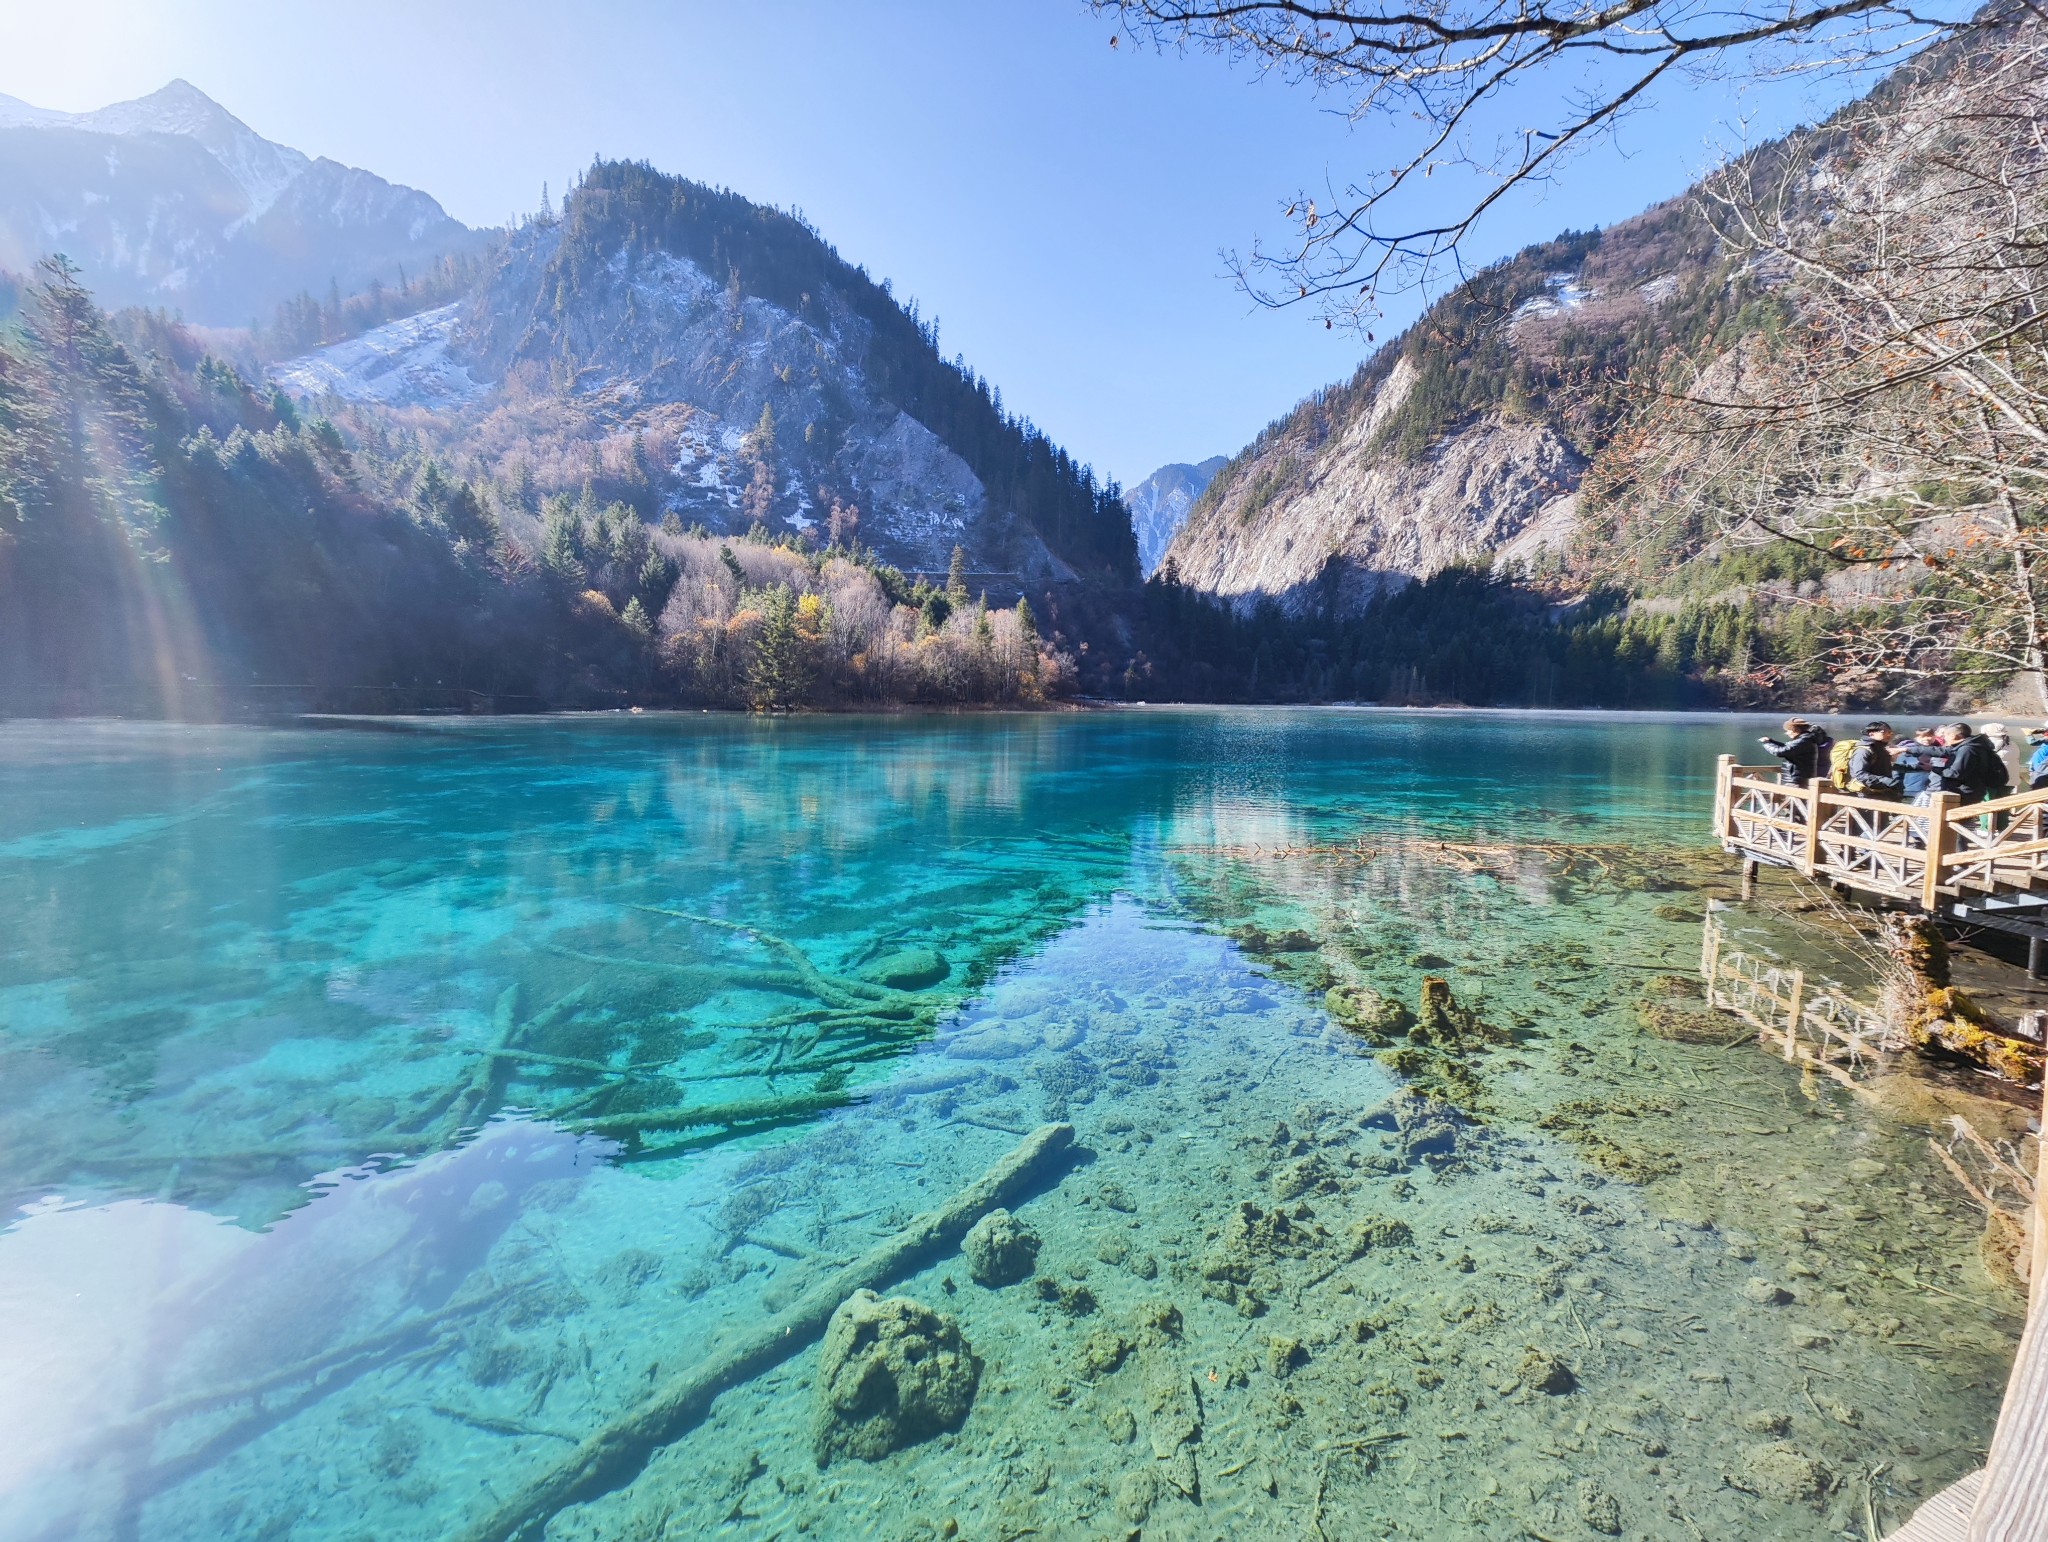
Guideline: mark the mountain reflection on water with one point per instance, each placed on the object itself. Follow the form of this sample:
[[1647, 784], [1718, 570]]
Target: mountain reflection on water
[[330, 1056]]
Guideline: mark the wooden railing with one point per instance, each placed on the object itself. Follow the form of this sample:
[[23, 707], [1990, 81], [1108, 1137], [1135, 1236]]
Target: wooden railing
[[1946, 851], [1809, 1020]]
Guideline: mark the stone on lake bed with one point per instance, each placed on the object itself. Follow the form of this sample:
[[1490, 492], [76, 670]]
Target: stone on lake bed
[[1783, 1472], [1000, 1250], [890, 1374], [1764, 1293], [910, 969], [1545, 1373], [1600, 1510]]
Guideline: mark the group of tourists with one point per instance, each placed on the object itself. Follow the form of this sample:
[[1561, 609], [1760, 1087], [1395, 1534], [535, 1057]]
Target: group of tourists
[[1973, 764]]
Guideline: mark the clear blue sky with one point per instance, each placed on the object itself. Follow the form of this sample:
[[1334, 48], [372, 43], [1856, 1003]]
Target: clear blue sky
[[1058, 204]]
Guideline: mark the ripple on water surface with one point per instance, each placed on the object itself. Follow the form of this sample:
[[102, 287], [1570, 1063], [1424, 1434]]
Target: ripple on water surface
[[267, 1278]]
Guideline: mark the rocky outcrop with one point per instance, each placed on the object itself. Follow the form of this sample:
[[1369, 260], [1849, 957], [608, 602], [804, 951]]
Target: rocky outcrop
[[1159, 505], [1337, 523], [890, 1373]]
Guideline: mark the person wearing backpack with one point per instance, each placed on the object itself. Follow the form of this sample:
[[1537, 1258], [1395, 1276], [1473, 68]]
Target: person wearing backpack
[[1805, 754], [1840, 754]]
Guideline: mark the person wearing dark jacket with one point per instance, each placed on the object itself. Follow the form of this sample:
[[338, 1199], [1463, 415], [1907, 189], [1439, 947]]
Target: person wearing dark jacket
[[1872, 772], [1975, 770], [1805, 754]]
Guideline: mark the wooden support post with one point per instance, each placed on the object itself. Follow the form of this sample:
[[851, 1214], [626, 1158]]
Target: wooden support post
[[2034, 952], [1809, 856], [1940, 841], [1793, 1009], [2012, 1506], [1724, 798], [1749, 867]]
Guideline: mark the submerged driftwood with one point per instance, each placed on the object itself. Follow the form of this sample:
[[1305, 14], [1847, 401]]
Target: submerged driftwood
[[616, 1453]]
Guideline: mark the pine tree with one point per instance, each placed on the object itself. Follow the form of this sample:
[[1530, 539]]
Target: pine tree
[[956, 580]]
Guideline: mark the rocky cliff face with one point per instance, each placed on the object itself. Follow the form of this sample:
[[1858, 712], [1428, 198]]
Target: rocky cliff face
[[1159, 505], [1464, 440], [779, 394], [172, 201], [1335, 524]]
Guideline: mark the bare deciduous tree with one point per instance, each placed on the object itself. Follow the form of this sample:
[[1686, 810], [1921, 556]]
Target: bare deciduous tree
[[1899, 418], [1571, 69]]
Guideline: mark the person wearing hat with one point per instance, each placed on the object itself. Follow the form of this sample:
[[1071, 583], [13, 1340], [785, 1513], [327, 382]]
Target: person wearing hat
[[2037, 759], [1805, 753]]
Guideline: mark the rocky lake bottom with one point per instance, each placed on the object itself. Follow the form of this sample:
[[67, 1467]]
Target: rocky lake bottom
[[1386, 1173]]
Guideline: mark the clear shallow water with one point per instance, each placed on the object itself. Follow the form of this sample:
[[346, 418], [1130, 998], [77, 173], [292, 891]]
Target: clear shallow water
[[264, 1277]]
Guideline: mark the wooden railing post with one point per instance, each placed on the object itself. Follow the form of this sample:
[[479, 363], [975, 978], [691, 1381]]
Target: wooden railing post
[[1940, 841], [1724, 798], [1811, 855]]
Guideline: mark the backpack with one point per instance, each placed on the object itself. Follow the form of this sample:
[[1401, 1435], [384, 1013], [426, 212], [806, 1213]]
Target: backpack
[[1839, 757]]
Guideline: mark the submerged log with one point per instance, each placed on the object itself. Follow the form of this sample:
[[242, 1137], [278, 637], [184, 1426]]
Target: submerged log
[[615, 1454], [833, 990], [744, 1111]]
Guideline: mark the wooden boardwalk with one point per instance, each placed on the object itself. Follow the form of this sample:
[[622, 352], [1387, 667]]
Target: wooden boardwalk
[[1984, 864]]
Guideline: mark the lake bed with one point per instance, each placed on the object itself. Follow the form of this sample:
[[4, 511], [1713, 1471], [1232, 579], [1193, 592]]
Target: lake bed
[[342, 1197]]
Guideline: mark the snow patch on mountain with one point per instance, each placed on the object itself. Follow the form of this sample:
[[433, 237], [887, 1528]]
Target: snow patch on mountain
[[404, 363]]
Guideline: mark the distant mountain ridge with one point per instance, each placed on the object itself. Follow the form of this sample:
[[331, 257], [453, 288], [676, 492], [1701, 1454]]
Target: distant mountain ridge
[[1159, 505], [170, 200]]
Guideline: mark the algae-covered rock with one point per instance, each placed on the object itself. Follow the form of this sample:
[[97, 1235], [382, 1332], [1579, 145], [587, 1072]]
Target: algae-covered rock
[[890, 1373], [1363, 1010], [1000, 1250], [1135, 1494], [1250, 1236], [1283, 1354], [911, 969], [1311, 1175], [1379, 1231], [1101, 1353], [1543, 1372], [1600, 1510], [1781, 1471], [1687, 1025], [1764, 1293]]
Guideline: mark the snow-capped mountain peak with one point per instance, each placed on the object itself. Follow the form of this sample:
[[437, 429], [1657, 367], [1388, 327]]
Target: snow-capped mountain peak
[[172, 199], [261, 168]]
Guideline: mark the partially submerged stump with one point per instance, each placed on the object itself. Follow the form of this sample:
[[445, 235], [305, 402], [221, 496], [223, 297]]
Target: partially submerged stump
[[1935, 1016]]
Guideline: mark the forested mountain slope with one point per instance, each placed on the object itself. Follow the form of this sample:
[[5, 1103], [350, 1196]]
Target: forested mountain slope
[[691, 353]]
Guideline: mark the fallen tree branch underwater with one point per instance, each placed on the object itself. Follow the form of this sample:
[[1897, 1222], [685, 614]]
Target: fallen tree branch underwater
[[614, 1455]]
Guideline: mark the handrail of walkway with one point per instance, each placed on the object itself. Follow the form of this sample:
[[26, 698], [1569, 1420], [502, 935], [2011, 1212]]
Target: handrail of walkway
[[1926, 855]]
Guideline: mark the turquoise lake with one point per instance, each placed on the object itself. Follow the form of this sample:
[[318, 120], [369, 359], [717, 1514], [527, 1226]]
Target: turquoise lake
[[391, 1105]]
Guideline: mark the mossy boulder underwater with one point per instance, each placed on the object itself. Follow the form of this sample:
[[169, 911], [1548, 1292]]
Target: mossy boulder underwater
[[908, 969], [1000, 1250], [890, 1374]]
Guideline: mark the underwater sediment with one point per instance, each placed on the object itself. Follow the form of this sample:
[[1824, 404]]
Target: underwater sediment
[[1412, 1187]]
